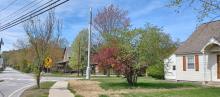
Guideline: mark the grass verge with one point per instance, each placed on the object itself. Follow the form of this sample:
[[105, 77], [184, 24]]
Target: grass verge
[[35, 92], [197, 92], [73, 91], [117, 83], [118, 87], [103, 95]]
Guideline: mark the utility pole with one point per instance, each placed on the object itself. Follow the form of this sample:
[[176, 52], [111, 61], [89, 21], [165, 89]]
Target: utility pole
[[89, 42], [1, 43], [1, 59]]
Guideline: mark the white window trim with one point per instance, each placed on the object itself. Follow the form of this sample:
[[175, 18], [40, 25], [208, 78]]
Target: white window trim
[[187, 63]]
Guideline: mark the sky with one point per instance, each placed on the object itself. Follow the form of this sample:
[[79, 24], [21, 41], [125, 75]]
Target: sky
[[75, 16]]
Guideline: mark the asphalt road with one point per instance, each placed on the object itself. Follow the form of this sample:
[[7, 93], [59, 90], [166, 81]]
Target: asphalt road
[[16, 82]]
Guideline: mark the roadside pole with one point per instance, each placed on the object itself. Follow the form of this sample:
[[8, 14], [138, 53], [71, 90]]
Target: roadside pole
[[89, 47], [1, 58]]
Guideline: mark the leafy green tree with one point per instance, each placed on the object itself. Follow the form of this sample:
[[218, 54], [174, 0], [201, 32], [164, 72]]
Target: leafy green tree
[[129, 50], [153, 47], [79, 51]]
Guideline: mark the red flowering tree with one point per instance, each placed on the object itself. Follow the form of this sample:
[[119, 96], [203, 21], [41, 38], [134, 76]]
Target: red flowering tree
[[122, 60], [120, 54], [106, 58]]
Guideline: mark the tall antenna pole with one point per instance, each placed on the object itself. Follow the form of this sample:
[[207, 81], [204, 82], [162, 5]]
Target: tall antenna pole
[[89, 42]]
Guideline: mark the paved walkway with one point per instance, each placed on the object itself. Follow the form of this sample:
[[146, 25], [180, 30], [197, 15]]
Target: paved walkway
[[59, 89]]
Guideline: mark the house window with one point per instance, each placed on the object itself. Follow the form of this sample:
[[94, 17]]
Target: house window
[[191, 62]]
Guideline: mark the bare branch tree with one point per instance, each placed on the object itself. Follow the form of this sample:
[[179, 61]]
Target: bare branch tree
[[40, 35], [110, 20], [205, 9]]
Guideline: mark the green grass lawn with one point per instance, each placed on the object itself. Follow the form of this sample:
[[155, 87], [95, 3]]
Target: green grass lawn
[[197, 92], [150, 87], [59, 75], [184, 89], [74, 75], [35, 92], [116, 83]]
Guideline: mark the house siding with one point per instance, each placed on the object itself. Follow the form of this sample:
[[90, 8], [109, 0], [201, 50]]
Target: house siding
[[170, 74], [189, 74]]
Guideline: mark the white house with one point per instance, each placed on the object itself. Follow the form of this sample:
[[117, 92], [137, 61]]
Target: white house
[[170, 67], [198, 58]]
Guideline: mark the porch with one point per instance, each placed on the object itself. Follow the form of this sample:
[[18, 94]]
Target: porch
[[211, 61]]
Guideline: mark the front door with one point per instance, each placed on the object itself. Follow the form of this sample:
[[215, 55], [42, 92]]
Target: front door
[[218, 66]]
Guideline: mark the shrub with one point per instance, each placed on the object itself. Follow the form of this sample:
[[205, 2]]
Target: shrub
[[156, 71], [27, 69]]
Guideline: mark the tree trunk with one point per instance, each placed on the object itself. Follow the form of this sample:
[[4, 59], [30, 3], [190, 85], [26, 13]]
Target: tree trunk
[[81, 72], [117, 74], [38, 78], [104, 71], [132, 78], [38, 75], [78, 71], [108, 72]]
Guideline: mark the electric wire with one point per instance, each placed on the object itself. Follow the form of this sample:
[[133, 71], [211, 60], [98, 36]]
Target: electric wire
[[33, 15], [10, 4], [19, 11]]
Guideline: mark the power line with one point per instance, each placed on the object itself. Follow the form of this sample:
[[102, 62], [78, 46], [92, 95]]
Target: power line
[[31, 16], [47, 4], [20, 10], [30, 11], [8, 6]]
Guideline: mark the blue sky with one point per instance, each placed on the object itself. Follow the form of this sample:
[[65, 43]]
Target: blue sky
[[75, 16]]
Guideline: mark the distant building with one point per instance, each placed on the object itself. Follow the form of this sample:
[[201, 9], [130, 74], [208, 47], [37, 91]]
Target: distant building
[[63, 65]]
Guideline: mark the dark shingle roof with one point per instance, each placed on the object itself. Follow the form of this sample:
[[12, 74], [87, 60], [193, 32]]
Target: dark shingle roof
[[200, 38]]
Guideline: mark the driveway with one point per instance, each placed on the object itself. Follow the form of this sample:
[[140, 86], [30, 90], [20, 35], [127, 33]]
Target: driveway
[[16, 82]]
